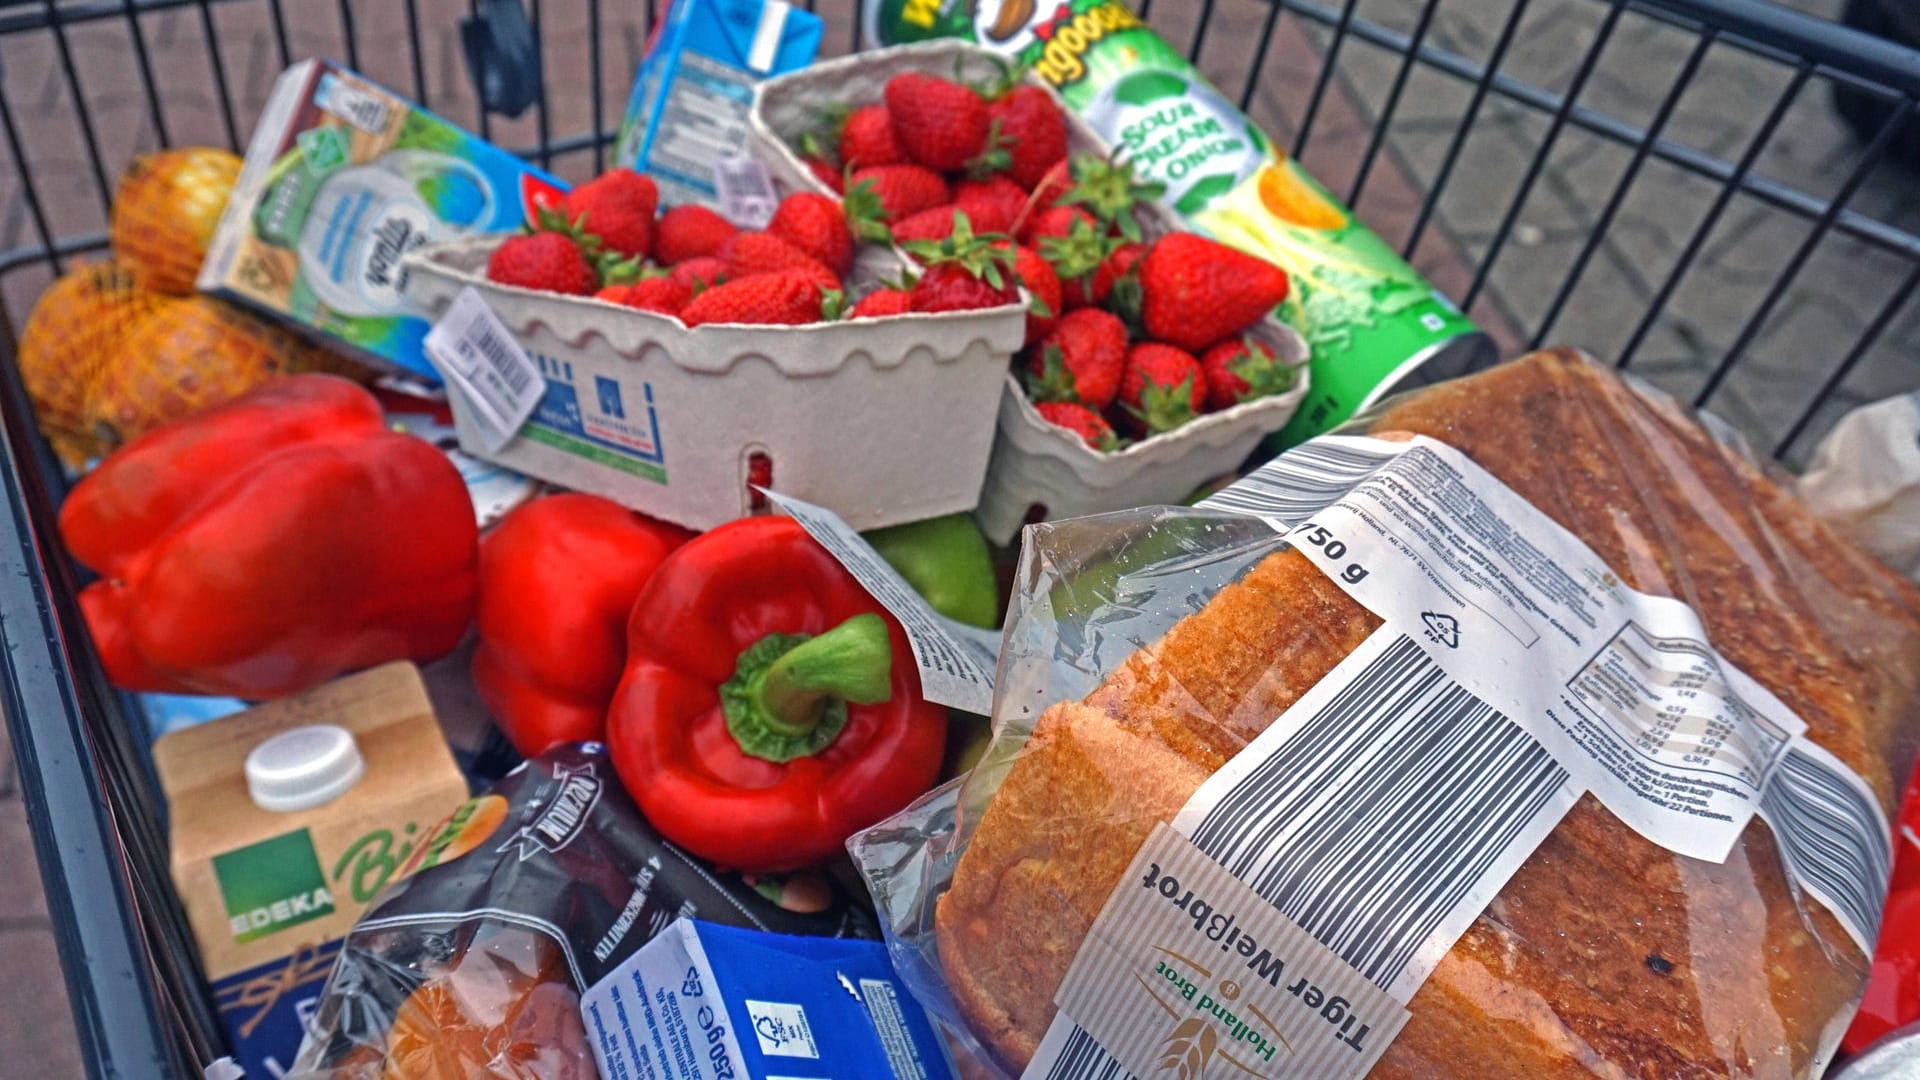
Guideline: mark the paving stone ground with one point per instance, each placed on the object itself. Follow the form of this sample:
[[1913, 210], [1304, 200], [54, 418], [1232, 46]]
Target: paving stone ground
[[1839, 292]]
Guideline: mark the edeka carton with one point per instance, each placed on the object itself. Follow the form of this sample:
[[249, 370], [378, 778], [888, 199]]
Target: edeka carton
[[363, 771], [695, 86], [709, 1002], [341, 180]]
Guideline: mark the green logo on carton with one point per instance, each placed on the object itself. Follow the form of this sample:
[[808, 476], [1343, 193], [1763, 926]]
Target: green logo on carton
[[272, 885]]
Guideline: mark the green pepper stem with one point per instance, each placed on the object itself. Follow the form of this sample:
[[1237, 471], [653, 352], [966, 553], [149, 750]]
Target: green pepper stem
[[789, 693], [852, 662]]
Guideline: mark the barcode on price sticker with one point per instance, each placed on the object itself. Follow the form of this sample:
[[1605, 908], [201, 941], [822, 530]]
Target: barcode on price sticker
[[1303, 481], [492, 375], [1833, 836]]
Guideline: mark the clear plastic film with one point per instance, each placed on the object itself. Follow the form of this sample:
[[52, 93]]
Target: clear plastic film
[[1146, 649]]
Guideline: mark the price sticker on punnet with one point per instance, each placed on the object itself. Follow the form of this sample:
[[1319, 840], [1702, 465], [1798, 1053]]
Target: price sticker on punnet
[[479, 359]]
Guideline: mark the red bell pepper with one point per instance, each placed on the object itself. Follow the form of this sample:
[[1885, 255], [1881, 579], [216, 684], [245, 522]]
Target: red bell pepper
[[763, 718], [557, 579], [1892, 998], [268, 545]]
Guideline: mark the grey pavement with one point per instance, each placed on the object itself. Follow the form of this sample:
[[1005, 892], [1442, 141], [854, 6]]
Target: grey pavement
[[1837, 295]]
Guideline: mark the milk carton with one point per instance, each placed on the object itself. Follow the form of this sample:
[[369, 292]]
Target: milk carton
[[342, 179], [285, 822], [695, 87]]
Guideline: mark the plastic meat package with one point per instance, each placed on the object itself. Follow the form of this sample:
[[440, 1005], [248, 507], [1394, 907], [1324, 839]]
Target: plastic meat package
[[473, 964], [1521, 729]]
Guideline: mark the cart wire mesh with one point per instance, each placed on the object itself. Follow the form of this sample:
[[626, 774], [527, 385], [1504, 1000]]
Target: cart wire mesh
[[1663, 182]]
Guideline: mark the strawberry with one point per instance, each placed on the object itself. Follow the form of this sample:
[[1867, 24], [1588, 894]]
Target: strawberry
[[942, 124], [1080, 255], [615, 293], [662, 294], [1052, 221], [824, 172], [788, 298], [895, 191], [616, 206], [751, 253], [1242, 370], [963, 272], [938, 223], [1053, 186], [1027, 135], [689, 230], [881, 303], [1082, 421], [1194, 291], [816, 225], [1122, 270], [1010, 197], [1163, 387], [1109, 191], [1081, 361], [549, 261], [867, 139], [700, 271], [1043, 289]]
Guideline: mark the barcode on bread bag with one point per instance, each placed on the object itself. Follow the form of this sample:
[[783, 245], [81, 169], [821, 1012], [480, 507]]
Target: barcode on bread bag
[[1081, 1058], [504, 357], [1833, 835], [1373, 822], [1303, 481]]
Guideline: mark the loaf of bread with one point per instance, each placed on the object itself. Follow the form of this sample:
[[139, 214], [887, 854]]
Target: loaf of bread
[[1605, 955]]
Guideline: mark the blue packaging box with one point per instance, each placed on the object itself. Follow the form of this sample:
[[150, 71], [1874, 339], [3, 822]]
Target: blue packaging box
[[695, 87], [708, 1002]]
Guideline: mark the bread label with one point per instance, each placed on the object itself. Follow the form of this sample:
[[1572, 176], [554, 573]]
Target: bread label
[[1188, 969]]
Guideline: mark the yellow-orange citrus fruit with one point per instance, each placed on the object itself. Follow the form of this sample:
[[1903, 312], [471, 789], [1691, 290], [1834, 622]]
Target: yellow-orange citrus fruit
[[193, 354], [1292, 198], [165, 209], [77, 328]]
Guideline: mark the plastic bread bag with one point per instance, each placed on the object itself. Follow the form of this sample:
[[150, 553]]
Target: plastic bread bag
[[1521, 729], [473, 964]]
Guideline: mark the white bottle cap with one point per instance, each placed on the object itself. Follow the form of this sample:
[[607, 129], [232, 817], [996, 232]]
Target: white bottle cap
[[304, 768]]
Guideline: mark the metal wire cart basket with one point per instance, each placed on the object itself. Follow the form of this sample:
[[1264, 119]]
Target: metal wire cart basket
[[1710, 193]]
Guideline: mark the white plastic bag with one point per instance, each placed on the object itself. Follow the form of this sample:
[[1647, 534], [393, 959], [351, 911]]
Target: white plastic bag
[[1865, 480]]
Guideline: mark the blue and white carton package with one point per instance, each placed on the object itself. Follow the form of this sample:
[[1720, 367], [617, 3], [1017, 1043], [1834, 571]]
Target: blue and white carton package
[[709, 1002], [694, 89]]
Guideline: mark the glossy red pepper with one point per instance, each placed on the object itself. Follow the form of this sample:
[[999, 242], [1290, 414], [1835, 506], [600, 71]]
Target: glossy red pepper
[[558, 577], [770, 707], [1892, 999], [268, 545]]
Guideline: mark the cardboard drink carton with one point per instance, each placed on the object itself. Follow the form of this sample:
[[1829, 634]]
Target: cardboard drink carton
[[695, 87], [286, 821], [341, 180]]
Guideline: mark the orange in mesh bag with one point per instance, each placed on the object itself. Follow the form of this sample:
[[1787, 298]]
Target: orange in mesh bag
[[1605, 954]]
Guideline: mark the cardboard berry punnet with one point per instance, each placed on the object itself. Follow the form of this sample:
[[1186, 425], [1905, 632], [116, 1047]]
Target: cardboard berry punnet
[[1035, 464], [884, 421]]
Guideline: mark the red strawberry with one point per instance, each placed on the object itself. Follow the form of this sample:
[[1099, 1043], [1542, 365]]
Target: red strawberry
[[1242, 370], [816, 225], [1122, 270], [941, 123], [1010, 197], [824, 172], [1082, 360], [789, 298], [1052, 221], [1080, 255], [1194, 292], [1043, 289], [751, 253], [1082, 421], [549, 261], [661, 294], [938, 223], [1163, 387], [881, 303], [689, 230], [963, 272], [615, 293], [1108, 190], [617, 207], [700, 271], [1053, 186], [867, 139], [1030, 134], [895, 191]]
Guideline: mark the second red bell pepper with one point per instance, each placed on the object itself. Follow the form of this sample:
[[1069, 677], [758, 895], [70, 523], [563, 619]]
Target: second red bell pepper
[[558, 577], [770, 707], [268, 545]]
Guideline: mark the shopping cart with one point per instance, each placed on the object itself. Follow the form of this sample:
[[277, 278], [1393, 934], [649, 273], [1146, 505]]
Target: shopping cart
[[1391, 101]]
